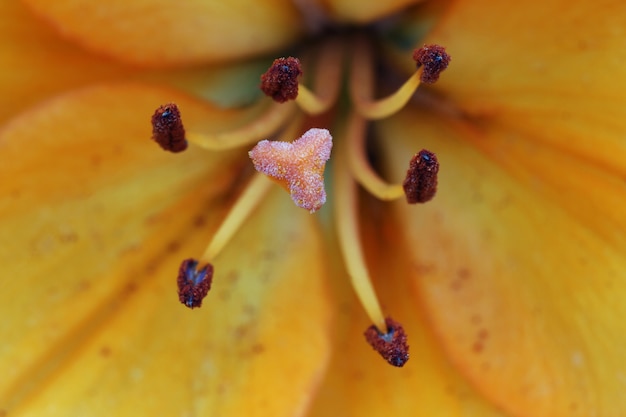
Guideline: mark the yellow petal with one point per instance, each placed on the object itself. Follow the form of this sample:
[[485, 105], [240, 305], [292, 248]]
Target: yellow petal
[[548, 68], [95, 221], [35, 63], [159, 33], [359, 381], [364, 11], [518, 262]]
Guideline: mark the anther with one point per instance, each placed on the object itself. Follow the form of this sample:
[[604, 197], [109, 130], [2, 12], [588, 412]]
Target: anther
[[297, 166], [433, 59], [420, 184], [280, 81], [392, 345], [193, 284], [167, 128]]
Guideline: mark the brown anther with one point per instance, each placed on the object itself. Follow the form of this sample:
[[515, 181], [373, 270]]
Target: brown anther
[[434, 59], [420, 184], [167, 128], [193, 285], [392, 345], [280, 81]]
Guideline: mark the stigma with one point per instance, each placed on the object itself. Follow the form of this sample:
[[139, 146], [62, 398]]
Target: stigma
[[287, 146], [298, 166]]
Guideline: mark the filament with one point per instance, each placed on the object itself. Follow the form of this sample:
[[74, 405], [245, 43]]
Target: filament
[[327, 80], [349, 240], [359, 165], [362, 84], [270, 121]]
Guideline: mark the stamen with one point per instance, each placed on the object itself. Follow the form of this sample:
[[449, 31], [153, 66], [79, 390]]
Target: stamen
[[433, 59], [167, 128], [297, 166], [280, 81], [265, 125], [346, 221], [193, 285], [362, 86], [360, 167], [420, 184], [391, 345]]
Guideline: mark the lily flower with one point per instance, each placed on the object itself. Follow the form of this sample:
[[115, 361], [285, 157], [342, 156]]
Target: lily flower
[[509, 283]]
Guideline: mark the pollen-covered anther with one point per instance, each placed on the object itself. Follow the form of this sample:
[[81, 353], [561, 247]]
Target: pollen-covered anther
[[392, 345], [193, 284], [280, 81], [297, 166], [167, 128], [420, 184], [434, 59]]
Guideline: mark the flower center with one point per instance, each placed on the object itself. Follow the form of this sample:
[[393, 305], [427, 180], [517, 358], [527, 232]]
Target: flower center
[[298, 165]]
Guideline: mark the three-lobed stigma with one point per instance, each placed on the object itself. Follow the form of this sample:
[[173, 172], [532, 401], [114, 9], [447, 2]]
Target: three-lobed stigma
[[298, 166]]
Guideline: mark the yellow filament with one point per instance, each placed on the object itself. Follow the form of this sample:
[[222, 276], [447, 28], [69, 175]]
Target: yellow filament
[[327, 80], [361, 169], [362, 83], [349, 241], [310, 103], [250, 198], [260, 128], [246, 203]]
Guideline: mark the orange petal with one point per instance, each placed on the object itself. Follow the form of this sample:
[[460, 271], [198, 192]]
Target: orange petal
[[95, 220], [518, 262], [548, 68], [35, 63], [359, 381], [356, 11], [160, 33]]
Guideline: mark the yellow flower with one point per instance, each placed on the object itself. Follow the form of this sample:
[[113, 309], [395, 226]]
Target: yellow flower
[[510, 283]]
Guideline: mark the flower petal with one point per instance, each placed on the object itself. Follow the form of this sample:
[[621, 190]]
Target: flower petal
[[518, 262], [35, 63], [359, 381], [95, 221], [548, 68], [161, 32]]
